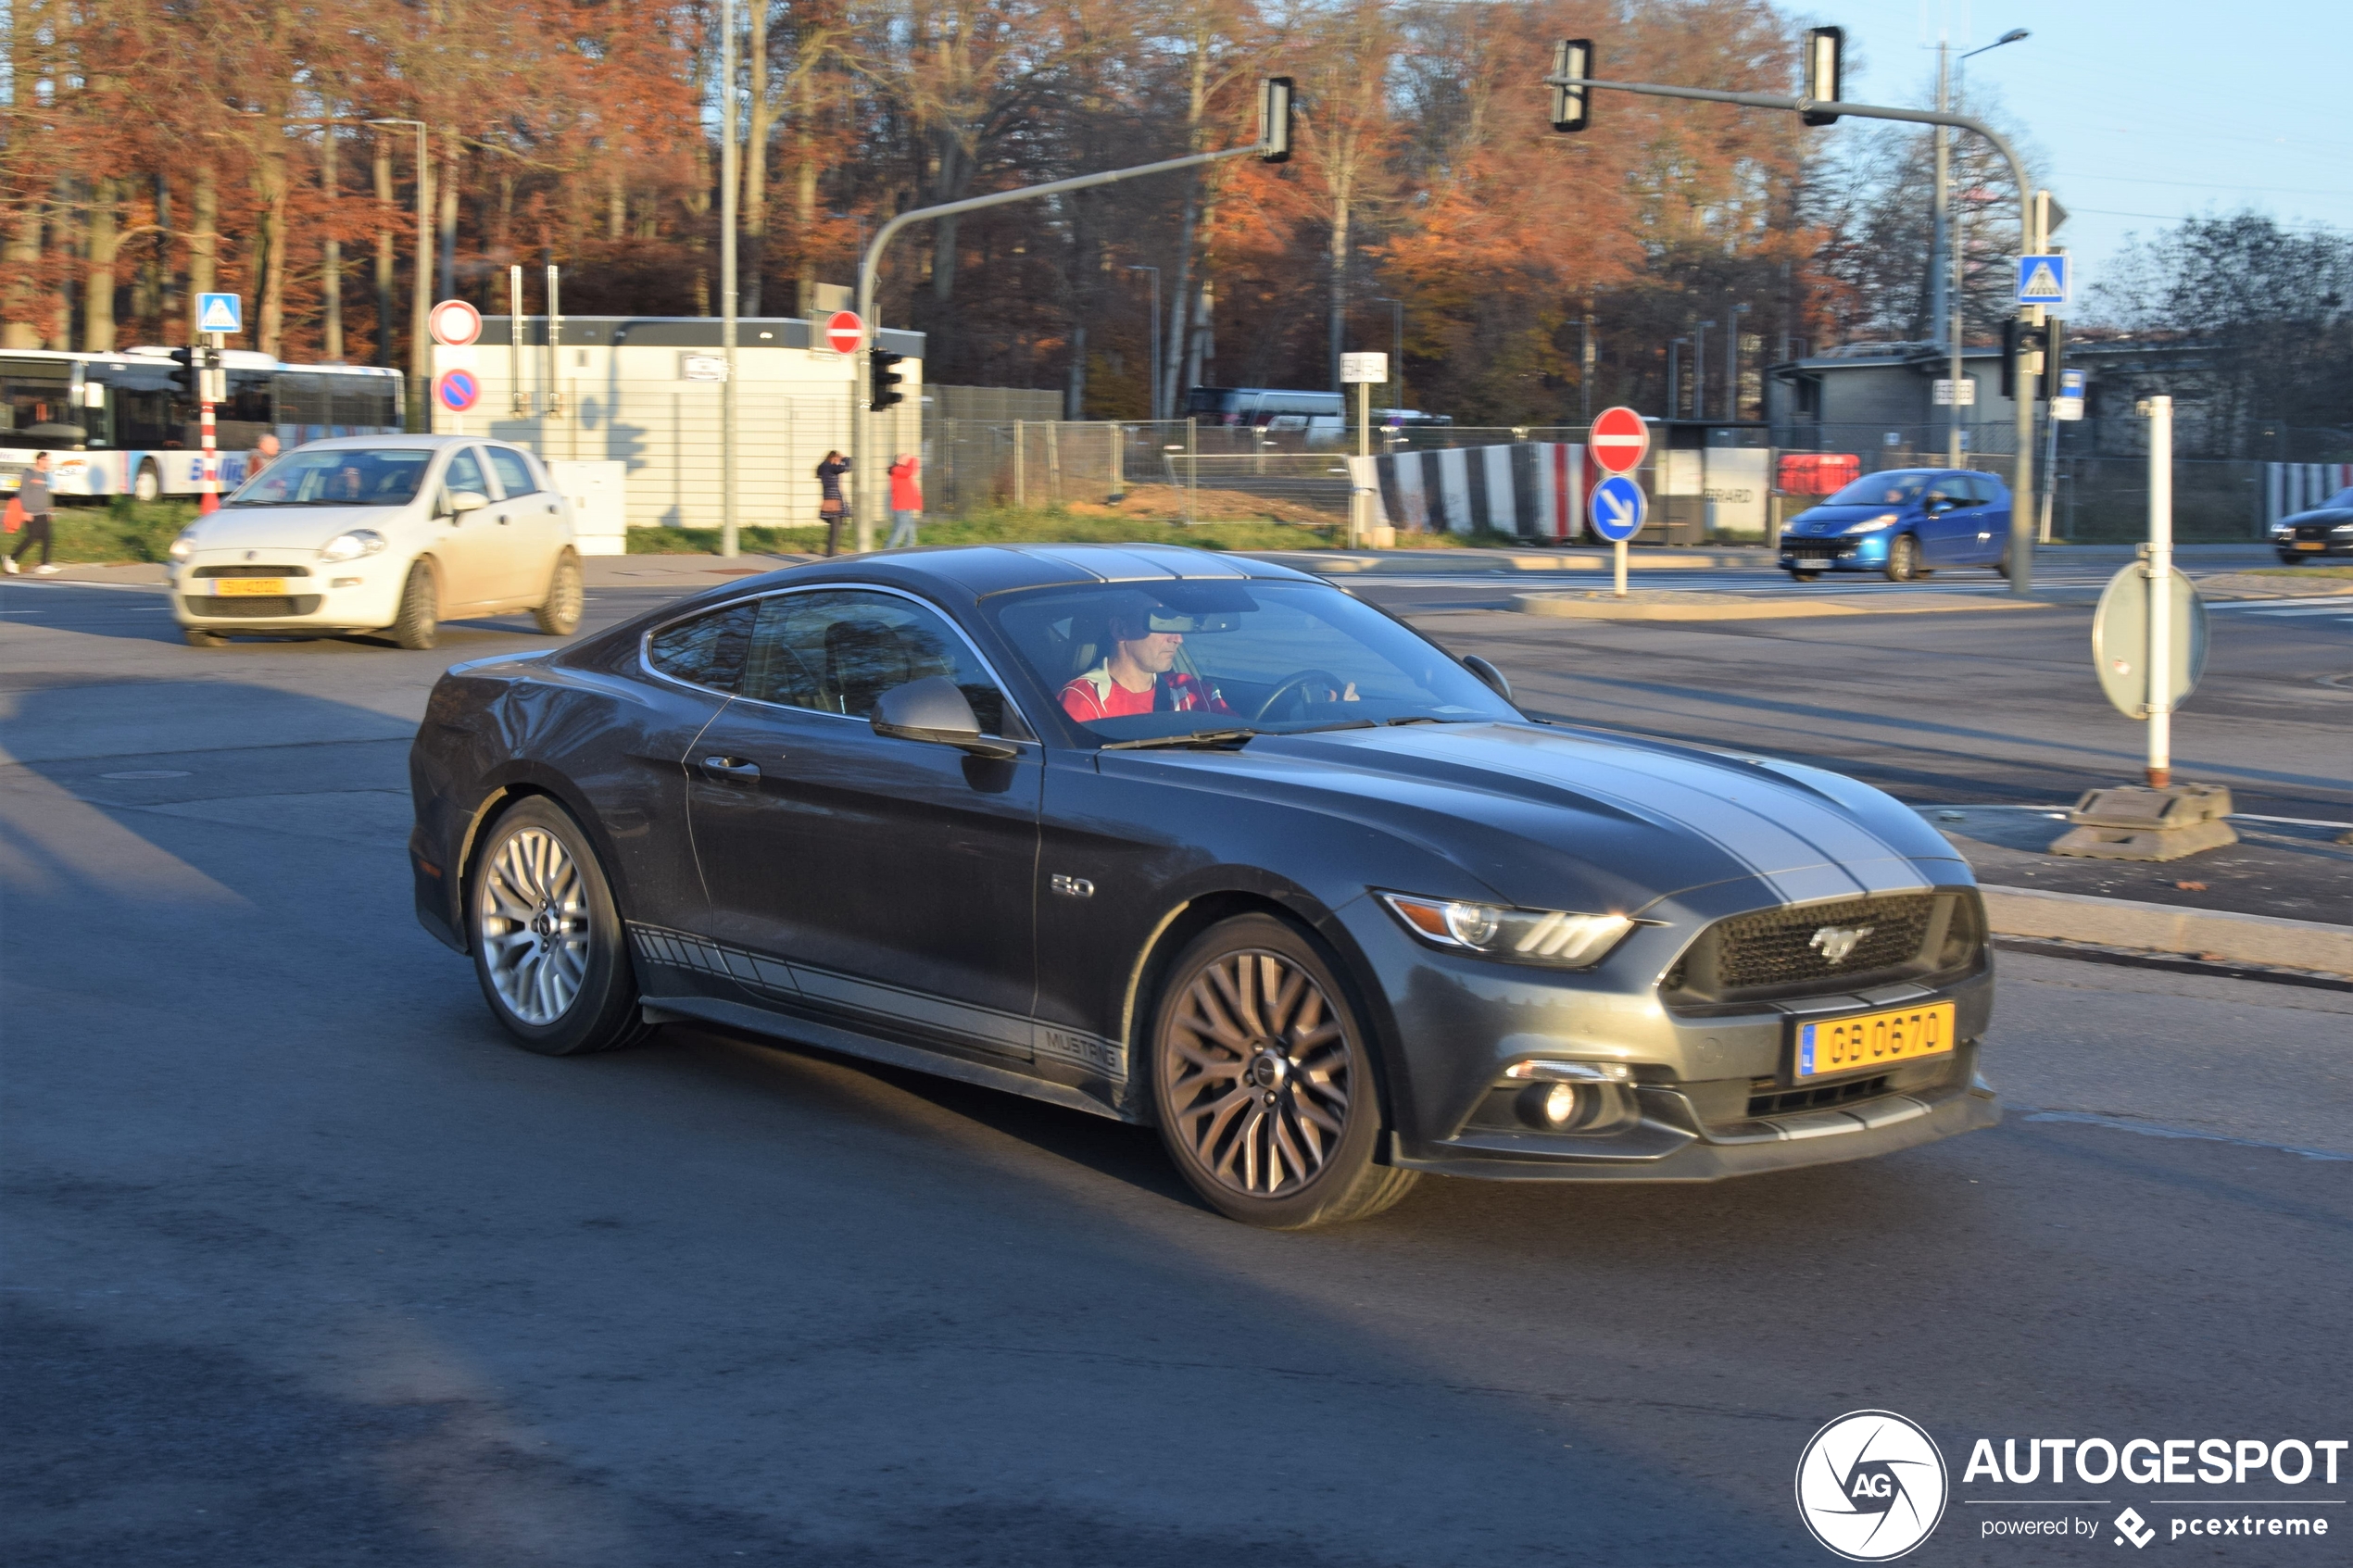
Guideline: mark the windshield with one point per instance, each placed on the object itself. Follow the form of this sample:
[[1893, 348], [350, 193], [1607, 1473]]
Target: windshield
[[1897, 489], [1131, 661], [2341, 501], [343, 476]]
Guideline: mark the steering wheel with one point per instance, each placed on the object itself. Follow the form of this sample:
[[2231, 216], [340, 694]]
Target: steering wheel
[[1297, 684]]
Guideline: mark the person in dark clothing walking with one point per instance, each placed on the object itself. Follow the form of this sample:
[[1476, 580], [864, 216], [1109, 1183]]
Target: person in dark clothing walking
[[33, 493], [830, 504]]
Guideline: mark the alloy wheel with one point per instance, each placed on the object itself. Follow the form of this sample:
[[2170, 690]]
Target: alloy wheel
[[1259, 1074], [534, 925]]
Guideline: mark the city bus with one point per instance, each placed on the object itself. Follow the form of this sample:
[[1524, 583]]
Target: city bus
[[122, 425], [1322, 417]]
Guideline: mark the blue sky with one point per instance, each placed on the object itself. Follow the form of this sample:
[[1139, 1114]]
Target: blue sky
[[2145, 111]]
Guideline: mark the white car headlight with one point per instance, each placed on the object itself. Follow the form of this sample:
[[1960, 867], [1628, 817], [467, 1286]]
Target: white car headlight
[[185, 545], [1873, 524], [1551, 938], [352, 546]]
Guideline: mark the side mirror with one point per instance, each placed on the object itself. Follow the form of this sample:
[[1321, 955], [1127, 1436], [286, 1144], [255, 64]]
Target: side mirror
[[465, 501], [934, 709], [1940, 504], [1488, 676]]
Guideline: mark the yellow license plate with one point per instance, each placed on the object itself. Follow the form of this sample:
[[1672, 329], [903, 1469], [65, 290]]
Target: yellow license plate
[[2311, 545], [249, 587], [1873, 1039]]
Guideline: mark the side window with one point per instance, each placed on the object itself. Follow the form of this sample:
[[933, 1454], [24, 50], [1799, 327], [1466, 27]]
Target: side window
[[707, 650], [836, 650], [513, 473], [464, 473]]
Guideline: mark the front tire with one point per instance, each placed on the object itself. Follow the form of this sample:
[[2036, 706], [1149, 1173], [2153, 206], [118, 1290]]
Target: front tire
[[1262, 1084], [199, 638], [546, 938], [1797, 576], [419, 622], [560, 617], [1903, 559]]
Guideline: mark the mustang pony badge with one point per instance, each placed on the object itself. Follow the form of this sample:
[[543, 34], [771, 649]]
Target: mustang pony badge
[[1837, 941]]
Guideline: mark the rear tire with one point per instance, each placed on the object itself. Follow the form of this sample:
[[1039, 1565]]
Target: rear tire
[[560, 617], [1903, 559], [419, 622], [1262, 1082], [547, 941]]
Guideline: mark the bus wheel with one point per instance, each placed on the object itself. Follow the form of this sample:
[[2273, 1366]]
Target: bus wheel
[[148, 484]]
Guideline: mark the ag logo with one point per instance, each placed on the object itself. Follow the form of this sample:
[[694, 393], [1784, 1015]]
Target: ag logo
[[1871, 1486]]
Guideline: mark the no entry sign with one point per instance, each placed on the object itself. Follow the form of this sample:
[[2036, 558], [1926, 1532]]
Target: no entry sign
[[845, 332], [455, 324], [1620, 440]]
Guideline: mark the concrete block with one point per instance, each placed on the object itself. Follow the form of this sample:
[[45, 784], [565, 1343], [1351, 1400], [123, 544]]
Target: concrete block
[[2168, 928]]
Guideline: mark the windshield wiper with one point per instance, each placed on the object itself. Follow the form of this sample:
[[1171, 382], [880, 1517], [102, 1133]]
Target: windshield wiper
[[1225, 739]]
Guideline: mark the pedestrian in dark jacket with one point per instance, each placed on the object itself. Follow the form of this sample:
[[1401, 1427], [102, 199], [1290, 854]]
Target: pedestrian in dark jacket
[[830, 504], [33, 493]]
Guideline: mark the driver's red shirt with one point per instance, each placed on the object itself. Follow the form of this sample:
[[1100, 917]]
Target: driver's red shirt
[[1096, 696]]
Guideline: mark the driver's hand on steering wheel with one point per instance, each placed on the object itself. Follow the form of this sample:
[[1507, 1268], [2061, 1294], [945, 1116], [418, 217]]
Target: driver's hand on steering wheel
[[1348, 695]]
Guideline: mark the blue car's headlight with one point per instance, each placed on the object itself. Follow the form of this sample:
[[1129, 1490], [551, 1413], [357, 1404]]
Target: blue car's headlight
[[1873, 524]]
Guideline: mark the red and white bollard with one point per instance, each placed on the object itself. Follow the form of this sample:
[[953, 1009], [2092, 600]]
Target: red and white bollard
[[208, 498]]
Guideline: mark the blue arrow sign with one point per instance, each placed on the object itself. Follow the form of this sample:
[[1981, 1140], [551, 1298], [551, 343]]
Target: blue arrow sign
[[2043, 280], [220, 313], [1616, 507]]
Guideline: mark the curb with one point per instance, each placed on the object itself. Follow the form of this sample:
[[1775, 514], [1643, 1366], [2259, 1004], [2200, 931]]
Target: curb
[[2169, 928], [1596, 605]]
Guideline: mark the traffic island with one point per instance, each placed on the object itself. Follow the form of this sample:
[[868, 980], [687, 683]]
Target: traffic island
[[1676, 604]]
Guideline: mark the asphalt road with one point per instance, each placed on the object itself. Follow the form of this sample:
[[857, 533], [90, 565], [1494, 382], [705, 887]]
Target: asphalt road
[[303, 1265]]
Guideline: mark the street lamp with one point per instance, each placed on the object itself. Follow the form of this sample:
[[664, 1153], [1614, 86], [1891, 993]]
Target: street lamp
[[421, 313], [1947, 303], [1397, 352], [1674, 379], [1154, 403]]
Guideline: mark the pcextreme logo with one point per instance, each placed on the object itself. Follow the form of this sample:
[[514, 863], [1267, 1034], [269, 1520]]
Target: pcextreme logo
[[1871, 1486]]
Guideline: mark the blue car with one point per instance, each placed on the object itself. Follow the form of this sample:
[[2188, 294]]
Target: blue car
[[1906, 522]]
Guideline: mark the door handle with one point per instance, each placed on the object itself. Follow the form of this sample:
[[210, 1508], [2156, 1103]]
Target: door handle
[[502, 518], [730, 769]]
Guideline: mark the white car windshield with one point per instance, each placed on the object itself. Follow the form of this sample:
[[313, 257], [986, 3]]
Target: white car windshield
[[1132, 662], [346, 476]]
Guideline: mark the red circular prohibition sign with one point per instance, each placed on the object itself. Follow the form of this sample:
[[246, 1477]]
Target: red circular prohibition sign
[[1620, 440]]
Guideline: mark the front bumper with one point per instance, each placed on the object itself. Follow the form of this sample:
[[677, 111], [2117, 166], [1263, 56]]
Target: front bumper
[[354, 595], [1836, 552]]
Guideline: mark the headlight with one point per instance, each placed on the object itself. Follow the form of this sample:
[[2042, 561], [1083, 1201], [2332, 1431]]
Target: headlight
[[1873, 524], [185, 545], [352, 546], [1539, 937]]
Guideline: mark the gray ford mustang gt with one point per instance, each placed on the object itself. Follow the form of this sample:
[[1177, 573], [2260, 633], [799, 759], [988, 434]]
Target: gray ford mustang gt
[[1196, 841]]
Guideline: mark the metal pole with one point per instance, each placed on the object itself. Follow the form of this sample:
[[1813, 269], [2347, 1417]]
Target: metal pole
[[208, 498], [1674, 381], [2160, 581], [1021, 460], [1192, 469], [517, 403], [554, 334], [1699, 372], [729, 543], [869, 265], [1585, 370], [1732, 360], [1944, 291], [1364, 449], [1618, 554]]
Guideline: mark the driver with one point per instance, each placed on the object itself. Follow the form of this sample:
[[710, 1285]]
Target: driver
[[1139, 674]]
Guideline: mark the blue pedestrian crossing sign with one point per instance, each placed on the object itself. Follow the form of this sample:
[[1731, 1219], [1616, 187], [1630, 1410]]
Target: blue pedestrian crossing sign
[[220, 313], [2043, 280], [1616, 507]]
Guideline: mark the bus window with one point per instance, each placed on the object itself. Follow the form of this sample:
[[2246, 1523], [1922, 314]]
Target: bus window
[[245, 418], [364, 405], [35, 406], [302, 403], [150, 412]]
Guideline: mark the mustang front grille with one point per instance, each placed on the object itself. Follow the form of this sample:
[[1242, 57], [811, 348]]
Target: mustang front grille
[[1820, 948]]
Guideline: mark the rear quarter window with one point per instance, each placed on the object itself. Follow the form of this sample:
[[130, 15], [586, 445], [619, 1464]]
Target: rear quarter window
[[705, 650]]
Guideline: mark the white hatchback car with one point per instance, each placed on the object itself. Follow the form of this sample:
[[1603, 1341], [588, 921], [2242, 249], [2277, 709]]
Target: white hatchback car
[[391, 534]]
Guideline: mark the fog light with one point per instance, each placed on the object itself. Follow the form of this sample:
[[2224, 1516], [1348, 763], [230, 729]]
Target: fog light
[[1560, 1104]]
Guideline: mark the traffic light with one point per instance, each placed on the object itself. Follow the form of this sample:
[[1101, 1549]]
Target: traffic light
[[1274, 118], [2053, 349], [1824, 49], [883, 377], [2019, 338], [183, 379], [1572, 57]]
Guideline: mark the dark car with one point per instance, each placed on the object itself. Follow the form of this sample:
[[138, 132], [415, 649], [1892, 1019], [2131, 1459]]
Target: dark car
[[1906, 522], [2327, 530], [1203, 843]]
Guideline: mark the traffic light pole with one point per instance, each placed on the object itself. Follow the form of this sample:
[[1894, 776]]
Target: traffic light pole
[[867, 493], [2022, 521]]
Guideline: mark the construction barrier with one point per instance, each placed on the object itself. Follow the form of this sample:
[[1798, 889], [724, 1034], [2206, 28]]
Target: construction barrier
[[1529, 489]]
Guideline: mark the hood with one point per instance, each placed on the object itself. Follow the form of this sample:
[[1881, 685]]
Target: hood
[[1831, 519], [1552, 818], [288, 528]]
